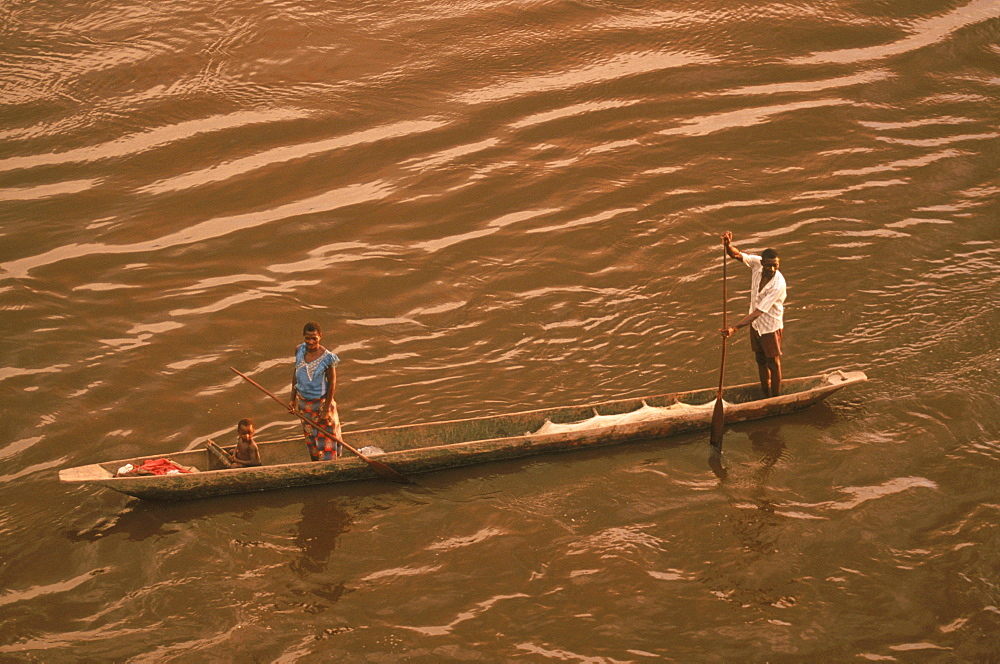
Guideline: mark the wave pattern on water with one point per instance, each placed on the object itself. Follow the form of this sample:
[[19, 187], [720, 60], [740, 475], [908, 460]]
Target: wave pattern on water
[[492, 206]]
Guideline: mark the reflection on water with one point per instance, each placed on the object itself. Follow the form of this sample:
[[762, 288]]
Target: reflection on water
[[322, 522]]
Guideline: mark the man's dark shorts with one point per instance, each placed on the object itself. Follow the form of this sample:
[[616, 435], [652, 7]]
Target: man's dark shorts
[[765, 346]]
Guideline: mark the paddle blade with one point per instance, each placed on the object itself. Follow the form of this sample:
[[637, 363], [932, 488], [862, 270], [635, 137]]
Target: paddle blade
[[385, 471], [715, 463], [718, 424]]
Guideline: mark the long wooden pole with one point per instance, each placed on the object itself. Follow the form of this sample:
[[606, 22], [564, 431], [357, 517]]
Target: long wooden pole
[[379, 467], [719, 415]]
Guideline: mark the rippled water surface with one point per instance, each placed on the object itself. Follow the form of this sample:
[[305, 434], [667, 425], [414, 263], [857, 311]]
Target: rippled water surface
[[494, 206]]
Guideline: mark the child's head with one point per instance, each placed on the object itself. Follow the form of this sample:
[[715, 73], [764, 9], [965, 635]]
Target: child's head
[[245, 428]]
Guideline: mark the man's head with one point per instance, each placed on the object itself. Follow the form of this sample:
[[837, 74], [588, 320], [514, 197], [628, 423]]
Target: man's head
[[769, 262]]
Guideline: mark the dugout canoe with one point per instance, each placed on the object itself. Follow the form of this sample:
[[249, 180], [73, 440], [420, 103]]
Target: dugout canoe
[[421, 448]]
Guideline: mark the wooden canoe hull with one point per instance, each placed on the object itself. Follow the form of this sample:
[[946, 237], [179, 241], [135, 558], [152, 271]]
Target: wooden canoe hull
[[421, 448]]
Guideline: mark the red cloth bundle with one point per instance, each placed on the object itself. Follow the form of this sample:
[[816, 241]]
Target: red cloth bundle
[[161, 466], [152, 467]]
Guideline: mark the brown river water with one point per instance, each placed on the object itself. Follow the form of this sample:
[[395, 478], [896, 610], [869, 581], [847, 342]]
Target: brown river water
[[495, 206]]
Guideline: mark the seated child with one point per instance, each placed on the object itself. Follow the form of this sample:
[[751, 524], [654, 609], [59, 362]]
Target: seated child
[[245, 453]]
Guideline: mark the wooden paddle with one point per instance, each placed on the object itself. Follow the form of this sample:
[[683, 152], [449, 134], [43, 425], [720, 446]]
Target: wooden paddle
[[379, 467], [719, 415]]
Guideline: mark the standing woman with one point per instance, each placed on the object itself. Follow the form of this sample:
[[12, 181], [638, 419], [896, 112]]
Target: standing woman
[[313, 383]]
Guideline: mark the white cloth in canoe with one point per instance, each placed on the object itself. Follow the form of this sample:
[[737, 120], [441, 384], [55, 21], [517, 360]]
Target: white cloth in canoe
[[644, 414]]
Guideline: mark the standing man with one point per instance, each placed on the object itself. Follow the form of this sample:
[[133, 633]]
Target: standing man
[[767, 307]]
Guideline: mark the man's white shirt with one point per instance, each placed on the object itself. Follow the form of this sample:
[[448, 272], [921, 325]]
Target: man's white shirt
[[770, 300]]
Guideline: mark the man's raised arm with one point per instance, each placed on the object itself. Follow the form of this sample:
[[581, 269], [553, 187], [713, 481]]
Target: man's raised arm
[[733, 252]]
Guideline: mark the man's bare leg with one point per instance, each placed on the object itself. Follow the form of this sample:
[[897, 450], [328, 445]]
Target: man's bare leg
[[774, 371], [764, 372]]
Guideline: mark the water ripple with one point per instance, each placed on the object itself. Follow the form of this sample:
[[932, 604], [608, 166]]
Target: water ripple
[[39, 192], [614, 68], [155, 138], [747, 117], [238, 167], [208, 230], [925, 33]]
